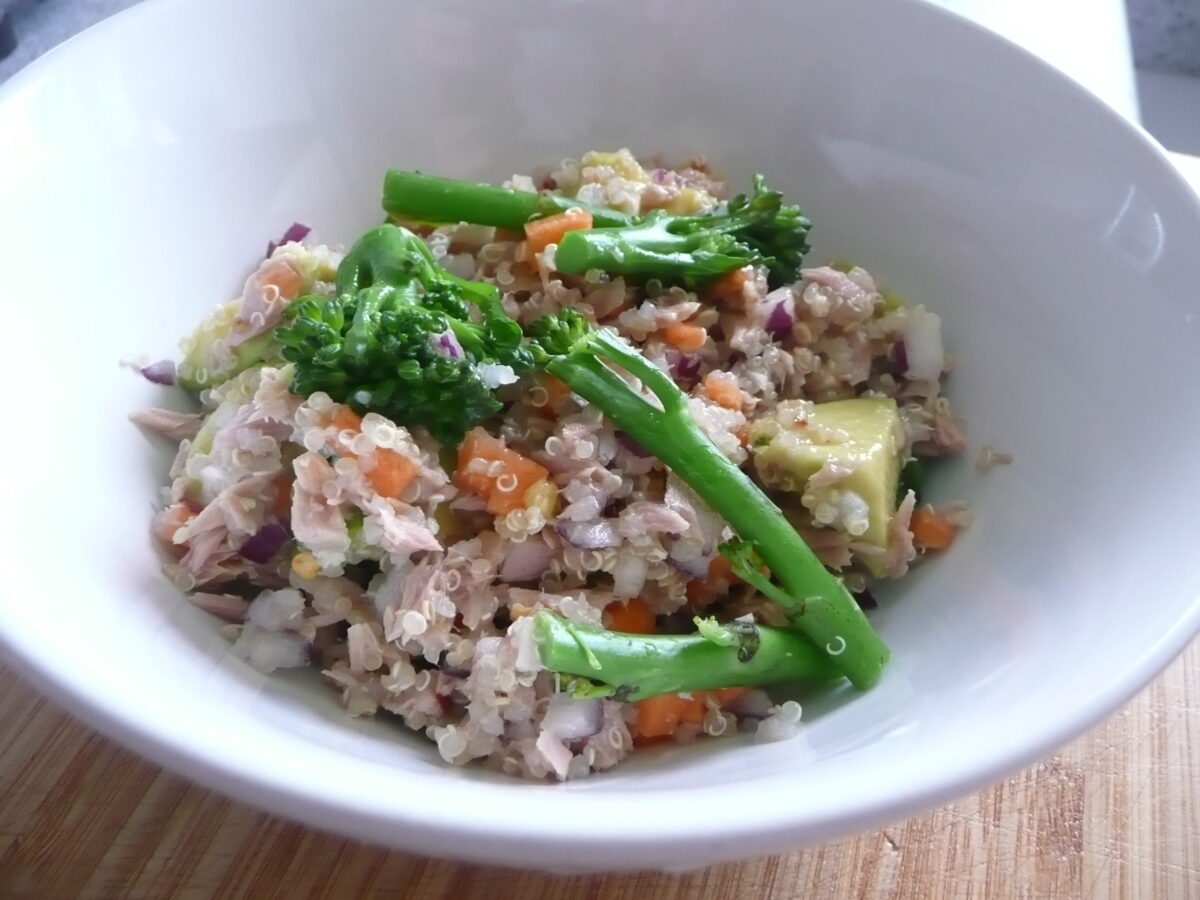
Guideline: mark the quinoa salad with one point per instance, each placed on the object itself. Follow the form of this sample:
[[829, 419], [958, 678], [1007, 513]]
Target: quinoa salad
[[561, 468]]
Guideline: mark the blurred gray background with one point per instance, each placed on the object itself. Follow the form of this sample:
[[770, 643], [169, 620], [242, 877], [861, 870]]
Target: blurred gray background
[[1166, 35]]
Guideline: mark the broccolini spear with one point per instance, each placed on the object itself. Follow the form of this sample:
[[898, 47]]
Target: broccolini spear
[[755, 229], [429, 198], [378, 344], [816, 601], [635, 666]]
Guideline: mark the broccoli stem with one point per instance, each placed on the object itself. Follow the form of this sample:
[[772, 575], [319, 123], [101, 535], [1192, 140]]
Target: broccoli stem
[[818, 602], [427, 198], [648, 250], [636, 666]]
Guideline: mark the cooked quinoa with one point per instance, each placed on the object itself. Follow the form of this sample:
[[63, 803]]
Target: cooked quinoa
[[278, 518]]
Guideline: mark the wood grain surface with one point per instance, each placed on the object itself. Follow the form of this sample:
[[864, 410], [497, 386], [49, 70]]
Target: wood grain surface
[[1116, 814]]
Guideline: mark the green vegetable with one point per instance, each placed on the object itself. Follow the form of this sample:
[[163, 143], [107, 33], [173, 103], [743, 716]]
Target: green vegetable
[[758, 229], [374, 345], [398, 338], [635, 666], [203, 367], [428, 198], [583, 357], [913, 477], [862, 434]]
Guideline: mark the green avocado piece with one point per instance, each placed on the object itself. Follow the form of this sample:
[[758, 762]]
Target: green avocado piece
[[200, 367], [863, 434]]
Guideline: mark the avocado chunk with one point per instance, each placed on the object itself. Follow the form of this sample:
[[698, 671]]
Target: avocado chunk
[[864, 436], [207, 363]]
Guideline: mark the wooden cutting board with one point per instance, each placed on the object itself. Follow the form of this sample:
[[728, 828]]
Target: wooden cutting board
[[1116, 814]]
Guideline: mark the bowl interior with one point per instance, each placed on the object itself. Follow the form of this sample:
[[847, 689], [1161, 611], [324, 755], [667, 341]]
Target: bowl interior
[[140, 179]]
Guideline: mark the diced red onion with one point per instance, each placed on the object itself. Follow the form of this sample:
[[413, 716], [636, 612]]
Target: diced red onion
[[265, 543], [295, 232], [526, 561], [571, 719], [686, 367], [900, 354], [631, 445], [599, 534], [161, 372], [780, 321], [695, 566], [682, 499], [447, 345]]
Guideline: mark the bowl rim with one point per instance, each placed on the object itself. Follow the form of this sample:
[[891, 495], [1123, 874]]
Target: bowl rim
[[608, 842]]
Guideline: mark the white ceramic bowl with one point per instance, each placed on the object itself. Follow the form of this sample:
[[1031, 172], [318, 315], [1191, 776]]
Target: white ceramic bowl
[[144, 165]]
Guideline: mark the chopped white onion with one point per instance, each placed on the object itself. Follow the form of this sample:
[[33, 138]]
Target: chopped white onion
[[923, 345], [557, 756], [570, 719], [629, 575], [267, 651], [276, 610], [496, 374]]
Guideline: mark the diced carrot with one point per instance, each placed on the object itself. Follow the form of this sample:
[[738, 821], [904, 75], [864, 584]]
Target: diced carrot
[[716, 583], [659, 716], [391, 474], [931, 530], [729, 285], [556, 389], [541, 233], [477, 444], [503, 486], [683, 336], [695, 708], [631, 617], [346, 419], [743, 434], [281, 504], [284, 278], [720, 570], [722, 389]]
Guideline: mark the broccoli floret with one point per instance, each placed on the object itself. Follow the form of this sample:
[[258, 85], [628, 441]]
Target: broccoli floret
[[755, 229], [405, 338]]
